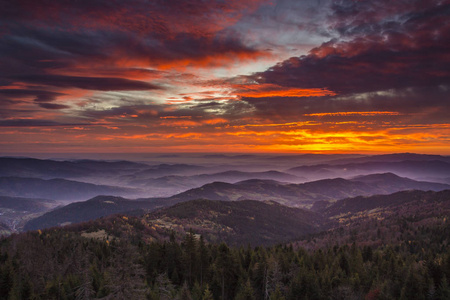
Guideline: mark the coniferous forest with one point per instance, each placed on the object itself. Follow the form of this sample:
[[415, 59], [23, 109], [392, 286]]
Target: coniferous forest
[[61, 264]]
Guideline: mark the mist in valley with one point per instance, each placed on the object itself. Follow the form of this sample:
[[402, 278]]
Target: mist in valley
[[165, 179]]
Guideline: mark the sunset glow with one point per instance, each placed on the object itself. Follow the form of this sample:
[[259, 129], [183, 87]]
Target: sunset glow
[[225, 76]]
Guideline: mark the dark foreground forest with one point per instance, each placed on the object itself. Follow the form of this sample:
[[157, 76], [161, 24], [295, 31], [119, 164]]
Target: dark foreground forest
[[62, 264]]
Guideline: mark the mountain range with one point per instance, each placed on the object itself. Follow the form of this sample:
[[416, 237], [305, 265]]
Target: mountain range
[[58, 189], [371, 220], [161, 179], [49, 169], [432, 170], [294, 195], [87, 210], [306, 193]]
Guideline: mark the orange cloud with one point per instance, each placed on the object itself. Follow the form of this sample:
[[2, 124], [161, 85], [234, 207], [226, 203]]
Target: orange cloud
[[215, 121], [176, 117], [210, 60], [273, 90], [354, 113], [289, 137]]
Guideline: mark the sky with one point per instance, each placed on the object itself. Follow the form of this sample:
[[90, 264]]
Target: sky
[[322, 76]]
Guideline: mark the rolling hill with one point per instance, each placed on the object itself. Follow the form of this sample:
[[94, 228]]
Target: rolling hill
[[188, 182], [393, 157], [434, 170], [385, 219], [162, 170], [294, 195], [400, 201], [94, 208], [25, 204], [58, 189], [15, 211], [306, 193], [49, 169], [238, 222]]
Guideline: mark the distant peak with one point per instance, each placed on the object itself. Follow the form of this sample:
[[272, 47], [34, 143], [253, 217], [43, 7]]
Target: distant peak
[[105, 198], [378, 175], [258, 181]]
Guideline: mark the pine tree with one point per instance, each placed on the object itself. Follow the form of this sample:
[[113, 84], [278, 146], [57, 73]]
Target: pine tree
[[185, 294], [190, 256], [126, 276], [277, 295], [207, 295], [197, 292], [246, 292], [6, 281], [412, 288], [443, 292]]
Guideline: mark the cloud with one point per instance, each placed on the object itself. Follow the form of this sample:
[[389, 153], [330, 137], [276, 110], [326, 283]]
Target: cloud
[[163, 17], [40, 95], [272, 90], [87, 83], [138, 33], [35, 123], [424, 105], [410, 50], [53, 106], [157, 74]]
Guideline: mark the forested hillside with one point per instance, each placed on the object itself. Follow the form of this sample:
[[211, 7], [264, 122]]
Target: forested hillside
[[380, 247], [59, 264]]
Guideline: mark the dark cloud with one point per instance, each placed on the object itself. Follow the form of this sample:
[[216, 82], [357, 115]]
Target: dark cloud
[[35, 123], [40, 95], [135, 114], [53, 106], [87, 83], [164, 17], [208, 105], [72, 33], [407, 51], [409, 103]]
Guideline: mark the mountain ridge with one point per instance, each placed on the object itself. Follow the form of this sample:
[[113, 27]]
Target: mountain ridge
[[261, 190], [57, 188]]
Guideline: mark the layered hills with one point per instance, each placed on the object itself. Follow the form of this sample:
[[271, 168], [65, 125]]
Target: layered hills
[[48, 169], [372, 220], [87, 210], [238, 222], [432, 170], [58, 189], [307, 193], [301, 195]]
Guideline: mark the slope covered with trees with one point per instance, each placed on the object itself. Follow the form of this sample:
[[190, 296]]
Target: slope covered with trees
[[239, 222], [60, 264], [380, 247], [92, 209]]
